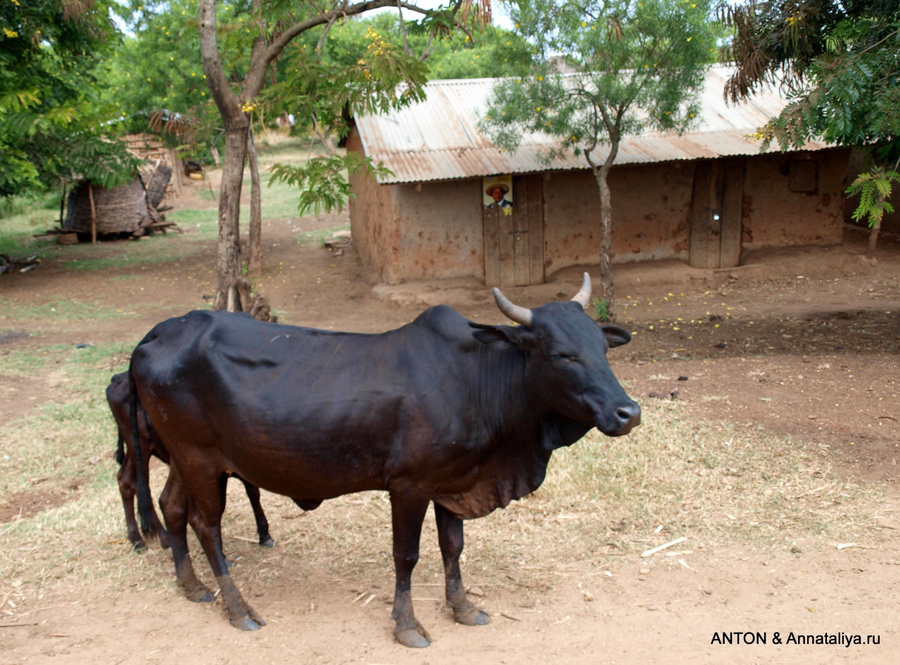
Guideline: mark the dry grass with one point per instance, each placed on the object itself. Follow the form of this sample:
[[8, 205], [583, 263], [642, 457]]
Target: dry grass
[[717, 484]]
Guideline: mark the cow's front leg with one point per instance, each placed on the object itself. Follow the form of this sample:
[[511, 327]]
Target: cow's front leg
[[407, 515], [450, 538]]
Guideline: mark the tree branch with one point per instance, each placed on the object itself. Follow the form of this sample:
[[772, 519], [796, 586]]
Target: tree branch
[[225, 99], [281, 42]]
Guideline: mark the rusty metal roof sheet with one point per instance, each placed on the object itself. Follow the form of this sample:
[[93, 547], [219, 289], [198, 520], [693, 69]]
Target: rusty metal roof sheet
[[438, 139]]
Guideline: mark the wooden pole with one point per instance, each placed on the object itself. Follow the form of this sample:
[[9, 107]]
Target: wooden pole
[[93, 214]]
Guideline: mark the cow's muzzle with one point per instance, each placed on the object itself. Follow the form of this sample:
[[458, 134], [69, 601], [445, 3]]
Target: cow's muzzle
[[627, 417]]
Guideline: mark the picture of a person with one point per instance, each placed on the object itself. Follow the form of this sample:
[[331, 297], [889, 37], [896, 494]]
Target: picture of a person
[[497, 191]]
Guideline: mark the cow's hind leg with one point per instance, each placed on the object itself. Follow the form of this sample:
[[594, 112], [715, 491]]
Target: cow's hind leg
[[207, 504], [174, 505], [407, 515], [127, 485], [450, 538], [262, 524]]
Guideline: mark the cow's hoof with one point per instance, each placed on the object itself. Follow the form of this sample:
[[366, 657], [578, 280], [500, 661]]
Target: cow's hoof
[[246, 623], [139, 546], [267, 543], [411, 638], [472, 617], [199, 594]]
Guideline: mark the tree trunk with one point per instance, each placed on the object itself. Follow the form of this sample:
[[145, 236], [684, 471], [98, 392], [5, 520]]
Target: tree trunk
[[873, 239], [601, 175], [237, 123], [607, 288], [229, 253], [255, 210]]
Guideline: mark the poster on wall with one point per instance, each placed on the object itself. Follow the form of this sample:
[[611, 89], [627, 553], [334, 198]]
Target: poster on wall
[[498, 193]]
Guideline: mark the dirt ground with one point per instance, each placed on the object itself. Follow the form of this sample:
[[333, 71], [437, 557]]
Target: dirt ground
[[804, 342]]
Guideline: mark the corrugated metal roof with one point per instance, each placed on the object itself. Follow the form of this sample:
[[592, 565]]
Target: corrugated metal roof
[[438, 139]]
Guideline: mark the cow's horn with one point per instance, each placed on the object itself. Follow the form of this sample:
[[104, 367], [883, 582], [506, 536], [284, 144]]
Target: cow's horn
[[513, 312], [583, 297]]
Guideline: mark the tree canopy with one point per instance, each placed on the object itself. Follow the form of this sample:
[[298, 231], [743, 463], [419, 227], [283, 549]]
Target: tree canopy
[[839, 62], [53, 121]]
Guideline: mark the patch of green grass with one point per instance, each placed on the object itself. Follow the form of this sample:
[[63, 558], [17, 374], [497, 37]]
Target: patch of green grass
[[60, 442], [107, 359], [204, 220], [156, 249], [275, 148], [280, 199], [28, 363], [59, 310], [79, 364], [318, 237], [24, 217]]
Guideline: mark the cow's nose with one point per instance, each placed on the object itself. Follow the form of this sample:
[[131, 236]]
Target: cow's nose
[[628, 416]]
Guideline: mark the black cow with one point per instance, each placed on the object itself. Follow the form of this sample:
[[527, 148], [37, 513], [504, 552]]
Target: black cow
[[118, 396], [442, 409]]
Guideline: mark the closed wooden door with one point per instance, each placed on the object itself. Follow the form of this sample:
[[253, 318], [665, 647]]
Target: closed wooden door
[[716, 213], [514, 236]]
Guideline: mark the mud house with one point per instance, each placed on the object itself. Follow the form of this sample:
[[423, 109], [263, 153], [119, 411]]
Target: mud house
[[704, 197]]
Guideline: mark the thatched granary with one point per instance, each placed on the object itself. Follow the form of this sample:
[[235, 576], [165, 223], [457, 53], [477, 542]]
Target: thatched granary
[[126, 209]]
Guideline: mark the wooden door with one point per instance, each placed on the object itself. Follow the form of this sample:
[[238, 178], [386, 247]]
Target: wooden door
[[716, 213], [514, 237]]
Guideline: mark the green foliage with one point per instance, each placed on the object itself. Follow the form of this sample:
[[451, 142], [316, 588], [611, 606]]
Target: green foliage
[[636, 66], [53, 124], [488, 53], [874, 190], [601, 309], [839, 62], [322, 180], [384, 76]]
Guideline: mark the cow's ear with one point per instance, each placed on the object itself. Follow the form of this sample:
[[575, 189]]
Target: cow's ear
[[506, 335], [615, 336]]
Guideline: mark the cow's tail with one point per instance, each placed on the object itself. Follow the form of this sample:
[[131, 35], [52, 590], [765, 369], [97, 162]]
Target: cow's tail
[[146, 513]]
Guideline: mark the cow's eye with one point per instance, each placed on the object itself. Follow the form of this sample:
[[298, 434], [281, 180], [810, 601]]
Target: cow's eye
[[564, 357]]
